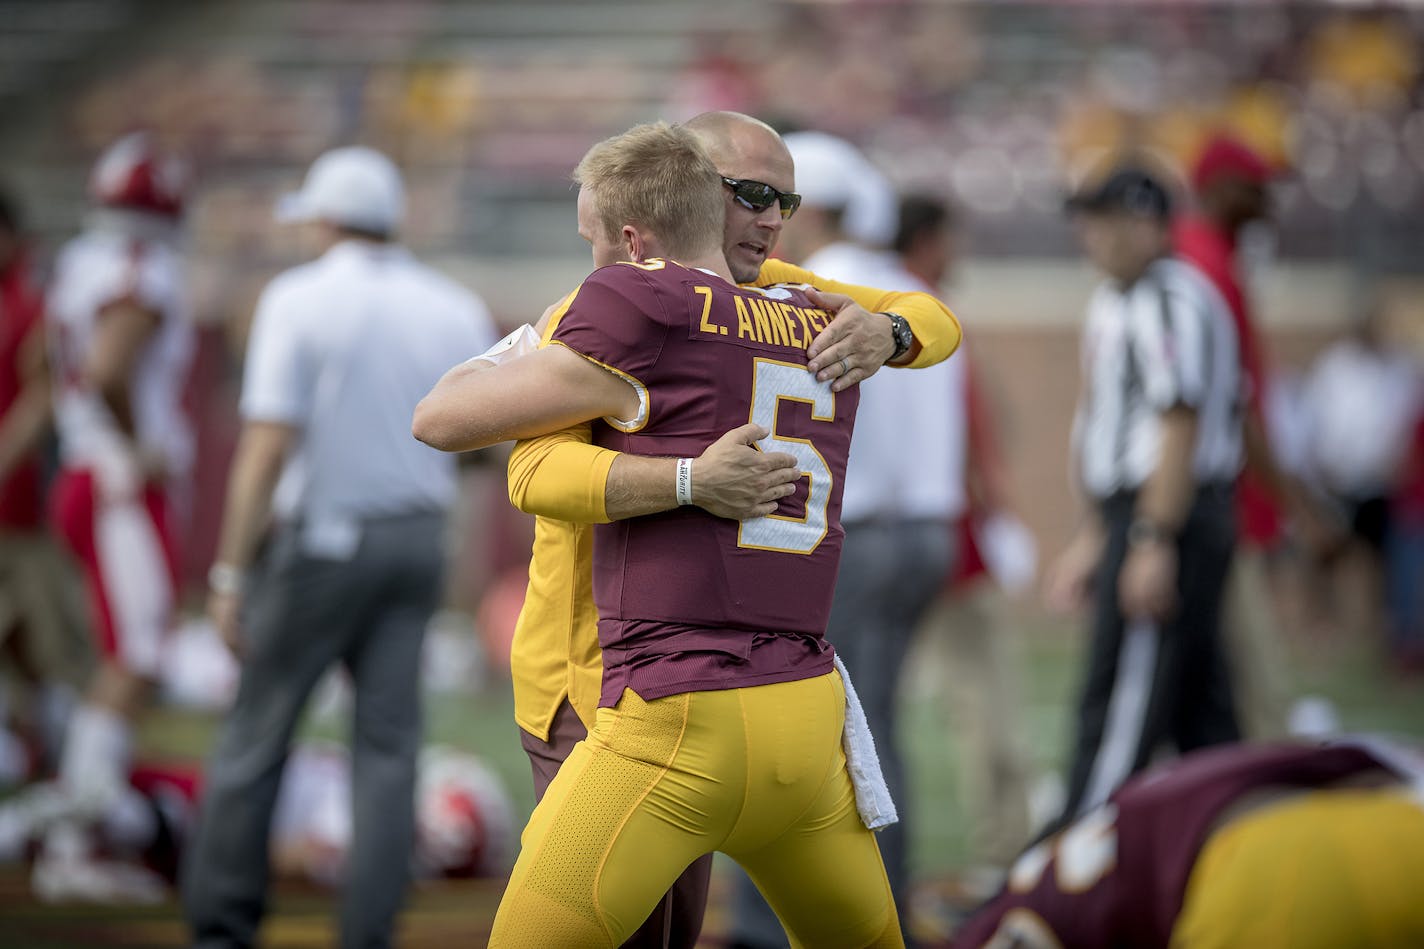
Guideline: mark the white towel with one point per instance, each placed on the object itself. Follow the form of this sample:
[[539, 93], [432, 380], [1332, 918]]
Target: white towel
[[872, 795], [518, 343]]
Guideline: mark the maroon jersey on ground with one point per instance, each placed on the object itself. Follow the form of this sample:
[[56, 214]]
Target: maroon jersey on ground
[[1117, 877], [688, 601]]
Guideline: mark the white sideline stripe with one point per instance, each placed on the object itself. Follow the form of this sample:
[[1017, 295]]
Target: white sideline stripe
[[136, 583], [1127, 712]]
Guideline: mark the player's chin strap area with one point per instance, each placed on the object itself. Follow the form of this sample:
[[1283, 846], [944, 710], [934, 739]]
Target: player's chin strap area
[[1400, 758]]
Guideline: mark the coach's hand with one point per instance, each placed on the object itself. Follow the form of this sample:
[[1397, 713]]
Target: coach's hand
[[734, 479], [855, 344]]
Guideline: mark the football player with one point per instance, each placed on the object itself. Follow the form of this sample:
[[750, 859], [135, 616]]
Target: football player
[[1243, 845], [120, 342]]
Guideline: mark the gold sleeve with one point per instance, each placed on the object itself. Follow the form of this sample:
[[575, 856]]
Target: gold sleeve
[[563, 476], [935, 326]]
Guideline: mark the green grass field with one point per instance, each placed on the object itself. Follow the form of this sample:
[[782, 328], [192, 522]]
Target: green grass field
[[1348, 675]]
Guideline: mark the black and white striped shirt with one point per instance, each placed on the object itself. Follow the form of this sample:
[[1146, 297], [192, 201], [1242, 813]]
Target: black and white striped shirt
[[1164, 341]]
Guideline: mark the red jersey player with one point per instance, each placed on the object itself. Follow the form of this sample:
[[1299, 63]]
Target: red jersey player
[[121, 344]]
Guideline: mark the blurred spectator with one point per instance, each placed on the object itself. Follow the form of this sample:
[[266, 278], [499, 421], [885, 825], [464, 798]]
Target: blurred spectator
[[25, 386], [979, 645], [718, 76], [121, 343], [1364, 394], [847, 213], [1367, 53], [341, 350], [42, 636], [1158, 446], [1231, 186], [1404, 560], [1364, 399]]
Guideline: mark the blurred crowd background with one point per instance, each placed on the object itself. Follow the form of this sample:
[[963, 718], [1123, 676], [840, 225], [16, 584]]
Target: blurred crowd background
[[488, 104], [1000, 108]]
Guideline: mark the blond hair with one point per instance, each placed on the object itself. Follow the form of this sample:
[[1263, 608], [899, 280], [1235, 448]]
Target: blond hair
[[659, 177]]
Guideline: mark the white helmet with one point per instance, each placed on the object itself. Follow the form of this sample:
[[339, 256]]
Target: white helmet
[[135, 174], [464, 817]]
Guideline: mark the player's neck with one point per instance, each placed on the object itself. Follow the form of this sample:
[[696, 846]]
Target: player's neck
[[715, 261]]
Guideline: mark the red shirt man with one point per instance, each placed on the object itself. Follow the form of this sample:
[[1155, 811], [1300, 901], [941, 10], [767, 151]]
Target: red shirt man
[[21, 307], [1230, 182]]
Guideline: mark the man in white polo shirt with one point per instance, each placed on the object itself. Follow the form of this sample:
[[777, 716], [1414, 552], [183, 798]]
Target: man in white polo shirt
[[341, 351]]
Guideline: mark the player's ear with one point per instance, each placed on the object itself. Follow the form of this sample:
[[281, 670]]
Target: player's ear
[[633, 245]]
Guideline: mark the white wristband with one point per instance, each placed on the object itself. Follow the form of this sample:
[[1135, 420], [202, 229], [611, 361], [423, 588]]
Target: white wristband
[[225, 579], [684, 481]]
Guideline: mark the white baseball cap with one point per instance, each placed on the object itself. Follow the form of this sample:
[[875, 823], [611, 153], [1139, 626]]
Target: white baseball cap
[[826, 167], [353, 186], [832, 173]]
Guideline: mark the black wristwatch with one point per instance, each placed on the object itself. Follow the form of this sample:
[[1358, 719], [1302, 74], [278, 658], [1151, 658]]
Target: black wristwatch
[[904, 336]]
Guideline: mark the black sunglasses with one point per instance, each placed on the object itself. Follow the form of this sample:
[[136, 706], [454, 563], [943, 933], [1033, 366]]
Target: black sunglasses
[[757, 196]]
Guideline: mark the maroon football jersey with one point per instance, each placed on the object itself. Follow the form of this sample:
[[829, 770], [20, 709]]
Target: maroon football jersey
[[1117, 877], [688, 601]]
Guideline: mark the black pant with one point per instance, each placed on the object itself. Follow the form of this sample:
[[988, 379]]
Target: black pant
[[1149, 683], [304, 614]]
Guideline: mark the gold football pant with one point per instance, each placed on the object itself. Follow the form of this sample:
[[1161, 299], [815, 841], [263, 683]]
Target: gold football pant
[[1322, 870], [757, 773]]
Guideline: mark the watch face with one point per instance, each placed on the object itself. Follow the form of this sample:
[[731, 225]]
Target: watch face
[[904, 338]]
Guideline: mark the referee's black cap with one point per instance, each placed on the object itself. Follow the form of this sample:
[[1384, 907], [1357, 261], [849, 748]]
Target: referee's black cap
[[1128, 189]]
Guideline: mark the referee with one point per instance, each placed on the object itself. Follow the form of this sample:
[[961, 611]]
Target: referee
[[1157, 446]]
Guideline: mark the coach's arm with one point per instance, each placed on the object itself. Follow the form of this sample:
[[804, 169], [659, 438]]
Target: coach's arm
[[564, 476], [860, 331], [536, 394]]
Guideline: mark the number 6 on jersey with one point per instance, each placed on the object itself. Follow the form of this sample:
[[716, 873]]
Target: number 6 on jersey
[[773, 381]]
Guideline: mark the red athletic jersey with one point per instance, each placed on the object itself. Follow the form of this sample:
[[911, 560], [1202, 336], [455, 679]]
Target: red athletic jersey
[[688, 601], [1409, 496], [1118, 876], [1213, 253], [21, 307]]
